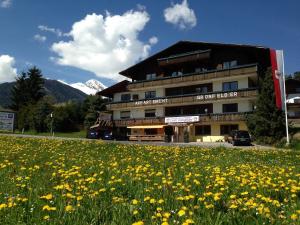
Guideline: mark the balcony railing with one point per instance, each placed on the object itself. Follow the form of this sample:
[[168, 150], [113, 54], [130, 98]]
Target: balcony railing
[[185, 57], [193, 77], [203, 118], [185, 99]]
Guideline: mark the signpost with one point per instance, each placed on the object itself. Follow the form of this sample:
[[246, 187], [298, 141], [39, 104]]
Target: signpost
[[7, 121]]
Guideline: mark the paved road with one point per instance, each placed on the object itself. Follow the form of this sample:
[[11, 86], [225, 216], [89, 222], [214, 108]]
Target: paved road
[[199, 144]]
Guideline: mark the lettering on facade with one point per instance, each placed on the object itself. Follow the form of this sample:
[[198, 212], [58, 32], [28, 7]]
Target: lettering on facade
[[217, 96], [182, 119], [152, 102]]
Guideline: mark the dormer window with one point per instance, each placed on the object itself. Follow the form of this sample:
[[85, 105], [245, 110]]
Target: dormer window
[[125, 97], [177, 73], [150, 76], [229, 64]]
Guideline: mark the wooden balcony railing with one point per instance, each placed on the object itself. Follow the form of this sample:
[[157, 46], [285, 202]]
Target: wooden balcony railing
[[201, 76], [223, 117], [185, 99]]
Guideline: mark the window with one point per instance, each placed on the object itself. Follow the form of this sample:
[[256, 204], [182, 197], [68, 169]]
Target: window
[[226, 129], [201, 90], [150, 76], [150, 94], [150, 131], [150, 113], [297, 90], [125, 97], [177, 73], [229, 64], [227, 108], [135, 97], [203, 130], [230, 86], [125, 114]]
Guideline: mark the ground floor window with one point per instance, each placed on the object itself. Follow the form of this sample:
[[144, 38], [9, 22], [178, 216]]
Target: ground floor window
[[150, 131], [226, 129], [125, 114], [203, 130], [228, 108], [150, 113]]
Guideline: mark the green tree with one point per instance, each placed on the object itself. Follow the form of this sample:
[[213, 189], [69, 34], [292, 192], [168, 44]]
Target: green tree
[[92, 106], [19, 93], [266, 123], [35, 84], [29, 88], [297, 75]]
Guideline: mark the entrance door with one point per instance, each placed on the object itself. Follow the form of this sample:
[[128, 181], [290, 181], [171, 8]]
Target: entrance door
[[181, 134]]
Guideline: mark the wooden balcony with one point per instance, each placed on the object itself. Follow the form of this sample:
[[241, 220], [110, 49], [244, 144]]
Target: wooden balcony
[[185, 57], [249, 70], [185, 99], [223, 117], [136, 122]]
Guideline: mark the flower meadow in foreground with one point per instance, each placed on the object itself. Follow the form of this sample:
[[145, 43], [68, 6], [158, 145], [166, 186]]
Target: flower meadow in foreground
[[82, 182]]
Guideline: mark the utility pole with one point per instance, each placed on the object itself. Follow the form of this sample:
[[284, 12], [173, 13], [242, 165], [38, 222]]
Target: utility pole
[[51, 129], [285, 107]]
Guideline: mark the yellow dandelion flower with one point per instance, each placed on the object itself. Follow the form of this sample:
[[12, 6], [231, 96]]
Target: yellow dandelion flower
[[69, 208], [135, 202], [47, 197], [138, 223], [181, 213], [46, 217], [294, 216]]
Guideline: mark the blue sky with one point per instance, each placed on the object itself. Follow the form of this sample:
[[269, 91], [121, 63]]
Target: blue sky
[[30, 29]]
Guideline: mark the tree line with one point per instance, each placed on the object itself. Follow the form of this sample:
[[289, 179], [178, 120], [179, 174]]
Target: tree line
[[39, 112]]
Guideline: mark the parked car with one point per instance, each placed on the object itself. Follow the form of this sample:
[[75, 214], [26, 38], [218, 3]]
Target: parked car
[[107, 135], [93, 134], [237, 137]]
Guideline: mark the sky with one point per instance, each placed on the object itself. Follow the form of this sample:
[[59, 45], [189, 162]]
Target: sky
[[75, 41]]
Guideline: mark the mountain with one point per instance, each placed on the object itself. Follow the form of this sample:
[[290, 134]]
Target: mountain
[[91, 87], [59, 91]]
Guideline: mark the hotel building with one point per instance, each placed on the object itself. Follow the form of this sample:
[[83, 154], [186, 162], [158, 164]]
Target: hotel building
[[201, 89]]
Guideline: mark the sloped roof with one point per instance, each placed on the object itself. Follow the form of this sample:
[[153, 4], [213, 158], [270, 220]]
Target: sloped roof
[[118, 87], [184, 46]]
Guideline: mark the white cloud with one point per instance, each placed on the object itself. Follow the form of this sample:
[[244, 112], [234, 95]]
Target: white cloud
[[153, 40], [5, 3], [55, 31], [105, 45], [39, 38], [181, 15], [7, 71]]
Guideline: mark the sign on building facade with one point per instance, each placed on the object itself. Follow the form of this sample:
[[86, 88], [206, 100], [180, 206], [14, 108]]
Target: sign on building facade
[[7, 121]]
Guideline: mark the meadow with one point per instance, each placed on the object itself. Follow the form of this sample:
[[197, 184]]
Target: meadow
[[91, 182]]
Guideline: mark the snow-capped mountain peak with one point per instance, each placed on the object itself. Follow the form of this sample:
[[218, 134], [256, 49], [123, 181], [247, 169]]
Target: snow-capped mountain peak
[[95, 84], [91, 87]]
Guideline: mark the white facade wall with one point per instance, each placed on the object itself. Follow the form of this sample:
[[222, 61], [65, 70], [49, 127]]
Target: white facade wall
[[243, 105], [138, 113], [242, 83], [160, 92]]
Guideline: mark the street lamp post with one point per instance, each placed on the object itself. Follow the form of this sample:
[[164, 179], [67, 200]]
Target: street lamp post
[[51, 129]]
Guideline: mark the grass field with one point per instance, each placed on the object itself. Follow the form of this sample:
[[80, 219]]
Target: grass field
[[76, 182], [79, 134]]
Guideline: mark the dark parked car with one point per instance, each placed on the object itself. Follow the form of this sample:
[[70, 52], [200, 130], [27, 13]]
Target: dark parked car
[[237, 137], [93, 134], [107, 135]]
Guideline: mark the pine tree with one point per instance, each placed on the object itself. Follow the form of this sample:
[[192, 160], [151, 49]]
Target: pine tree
[[35, 84], [266, 123], [19, 93], [29, 88]]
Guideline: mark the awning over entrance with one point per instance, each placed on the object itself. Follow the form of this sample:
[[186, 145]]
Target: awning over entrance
[[146, 126]]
